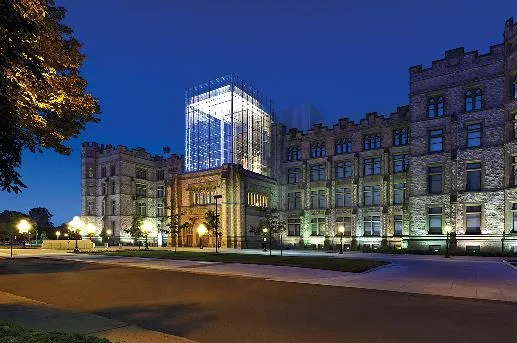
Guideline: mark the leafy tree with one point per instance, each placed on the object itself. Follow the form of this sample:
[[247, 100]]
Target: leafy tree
[[269, 226], [212, 223], [43, 98], [41, 217], [174, 224], [135, 229], [9, 221]]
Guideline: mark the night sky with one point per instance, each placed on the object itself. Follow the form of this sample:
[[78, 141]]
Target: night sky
[[347, 58]]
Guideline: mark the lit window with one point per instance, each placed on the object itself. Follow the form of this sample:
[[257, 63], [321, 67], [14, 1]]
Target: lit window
[[206, 197], [294, 201], [434, 218], [346, 223], [473, 170], [436, 140], [318, 226], [372, 195], [399, 193], [473, 219], [343, 146], [372, 225], [400, 163], [318, 199], [293, 175], [318, 150], [294, 153], [293, 227], [371, 142], [343, 197], [434, 179], [254, 199], [318, 172], [397, 225], [473, 100], [343, 169], [400, 137], [372, 166], [474, 135]]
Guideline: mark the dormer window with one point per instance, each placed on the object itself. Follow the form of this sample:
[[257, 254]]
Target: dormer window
[[371, 142], [318, 150], [473, 100], [435, 107], [343, 146]]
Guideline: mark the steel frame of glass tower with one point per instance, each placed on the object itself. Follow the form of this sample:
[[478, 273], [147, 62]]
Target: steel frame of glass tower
[[227, 121]]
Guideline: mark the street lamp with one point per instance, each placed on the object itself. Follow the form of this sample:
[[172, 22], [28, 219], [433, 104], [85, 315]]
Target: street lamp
[[108, 233], [58, 233], [447, 229], [23, 227], [201, 231], [216, 197], [146, 228], [264, 230], [341, 230], [75, 226]]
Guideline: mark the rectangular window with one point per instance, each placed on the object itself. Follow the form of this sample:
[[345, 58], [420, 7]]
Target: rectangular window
[[103, 207], [318, 150], [343, 146], [113, 207], [473, 135], [141, 189], [473, 100], [103, 171], [434, 180], [371, 142], [293, 227], [514, 171], [141, 209], [473, 218], [400, 163], [318, 226], [160, 174], [318, 172], [473, 170], [294, 201], [90, 208], [112, 170], [112, 187], [254, 199], [343, 169], [346, 224], [90, 172], [293, 175], [91, 190], [294, 153], [104, 188], [159, 210], [514, 217], [434, 217], [514, 116], [343, 197], [397, 225], [372, 166], [400, 137], [436, 140], [141, 173], [372, 225], [318, 199], [160, 191], [207, 197], [399, 193], [372, 195]]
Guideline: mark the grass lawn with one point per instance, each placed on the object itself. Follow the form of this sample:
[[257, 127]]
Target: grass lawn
[[315, 262], [15, 333]]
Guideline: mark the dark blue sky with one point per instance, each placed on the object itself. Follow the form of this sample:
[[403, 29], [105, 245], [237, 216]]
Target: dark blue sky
[[345, 57]]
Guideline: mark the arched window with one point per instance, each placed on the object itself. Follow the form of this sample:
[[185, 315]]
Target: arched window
[[431, 108], [294, 153], [371, 142], [439, 107], [400, 137], [318, 150], [343, 146], [515, 88], [473, 100]]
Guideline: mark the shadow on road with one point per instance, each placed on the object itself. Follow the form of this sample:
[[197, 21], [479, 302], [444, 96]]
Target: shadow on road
[[33, 265], [177, 319]]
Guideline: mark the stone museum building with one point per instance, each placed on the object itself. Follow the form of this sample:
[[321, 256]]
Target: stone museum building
[[446, 163]]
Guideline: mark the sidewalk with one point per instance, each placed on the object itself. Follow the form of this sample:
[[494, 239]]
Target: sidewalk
[[488, 279], [41, 316]]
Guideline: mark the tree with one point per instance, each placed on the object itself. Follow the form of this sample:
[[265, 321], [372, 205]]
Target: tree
[[135, 230], [212, 223], [43, 99], [269, 226], [9, 221], [174, 225], [41, 217]]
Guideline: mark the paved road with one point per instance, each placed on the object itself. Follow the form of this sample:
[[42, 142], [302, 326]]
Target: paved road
[[211, 308]]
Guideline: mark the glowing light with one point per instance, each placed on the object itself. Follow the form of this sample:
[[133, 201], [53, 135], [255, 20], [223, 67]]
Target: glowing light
[[90, 229], [447, 228], [58, 233], [341, 229], [147, 227], [76, 224], [264, 230], [108, 232], [201, 230], [24, 226]]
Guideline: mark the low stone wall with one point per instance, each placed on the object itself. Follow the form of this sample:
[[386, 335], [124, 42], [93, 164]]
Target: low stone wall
[[83, 244]]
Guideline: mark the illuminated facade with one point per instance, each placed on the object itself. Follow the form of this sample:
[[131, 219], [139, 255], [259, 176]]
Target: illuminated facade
[[227, 121]]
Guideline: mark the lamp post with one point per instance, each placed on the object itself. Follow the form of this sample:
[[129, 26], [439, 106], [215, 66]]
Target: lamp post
[[108, 233], [58, 233], [447, 231], [264, 230], [341, 230], [146, 228], [216, 197], [201, 230], [75, 226], [23, 228]]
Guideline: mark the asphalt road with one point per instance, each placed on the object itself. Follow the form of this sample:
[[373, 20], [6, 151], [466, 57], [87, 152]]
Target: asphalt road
[[235, 309]]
